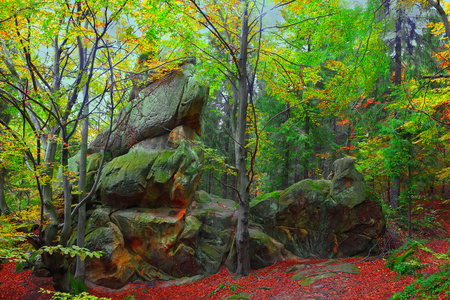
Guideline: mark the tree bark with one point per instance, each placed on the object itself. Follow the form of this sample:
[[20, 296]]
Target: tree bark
[[443, 15], [4, 209], [398, 48], [226, 139], [307, 145], [287, 153], [242, 232], [81, 267], [51, 229], [395, 187]]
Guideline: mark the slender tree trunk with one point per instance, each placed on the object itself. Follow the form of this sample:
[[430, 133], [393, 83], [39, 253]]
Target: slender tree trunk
[[56, 263], [81, 267], [398, 48], [65, 233], [6, 118], [51, 229], [287, 154], [307, 145], [242, 232], [395, 187], [4, 209], [225, 176]]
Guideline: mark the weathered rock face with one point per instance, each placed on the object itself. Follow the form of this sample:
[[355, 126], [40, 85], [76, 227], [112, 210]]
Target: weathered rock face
[[174, 100], [159, 243], [151, 175], [147, 186], [162, 243], [323, 218]]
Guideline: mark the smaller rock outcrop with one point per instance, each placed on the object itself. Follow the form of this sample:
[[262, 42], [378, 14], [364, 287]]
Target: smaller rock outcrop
[[323, 218]]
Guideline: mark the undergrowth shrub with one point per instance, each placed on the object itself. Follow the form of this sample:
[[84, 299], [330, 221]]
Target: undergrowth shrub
[[403, 260], [431, 287]]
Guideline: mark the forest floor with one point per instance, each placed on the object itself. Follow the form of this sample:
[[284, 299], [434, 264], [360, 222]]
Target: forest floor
[[375, 281]]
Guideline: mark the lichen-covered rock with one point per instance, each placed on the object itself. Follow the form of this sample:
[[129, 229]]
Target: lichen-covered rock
[[160, 242], [114, 269], [322, 218], [146, 185], [165, 242], [154, 163], [151, 175], [347, 186], [209, 230], [175, 99]]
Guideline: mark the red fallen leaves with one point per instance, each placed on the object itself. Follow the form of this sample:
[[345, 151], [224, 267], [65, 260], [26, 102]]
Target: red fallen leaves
[[21, 286], [374, 282]]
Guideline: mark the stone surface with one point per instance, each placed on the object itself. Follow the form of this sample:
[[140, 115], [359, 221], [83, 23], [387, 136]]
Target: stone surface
[[150, 177], [160, 243], [151, 161], [308, 276], [323, 218], [174, 100], [264, 251]]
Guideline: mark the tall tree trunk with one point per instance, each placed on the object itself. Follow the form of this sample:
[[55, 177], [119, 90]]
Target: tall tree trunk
[[395, 187], [307, 143], [51, 229], [242, 232], [226, 141], [5, 117], [67, 227], [398, 48], [225, 176], [81, 267]]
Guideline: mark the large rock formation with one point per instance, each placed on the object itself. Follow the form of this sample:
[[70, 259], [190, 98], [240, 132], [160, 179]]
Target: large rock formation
[[147, 184], [151, 224]]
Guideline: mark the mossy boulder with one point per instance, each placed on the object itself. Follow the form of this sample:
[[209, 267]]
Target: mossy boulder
[[323, 218], [151, 176]]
